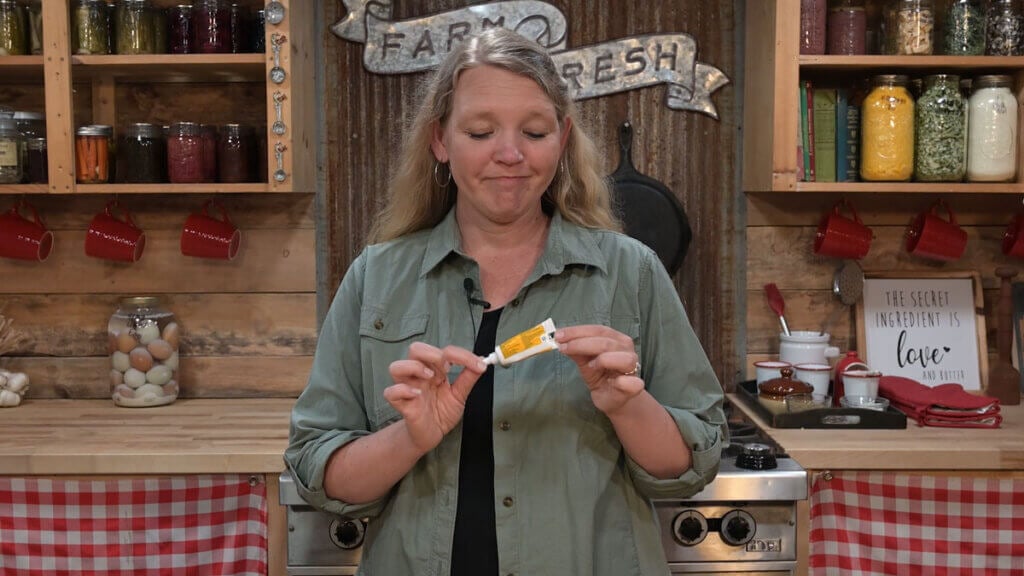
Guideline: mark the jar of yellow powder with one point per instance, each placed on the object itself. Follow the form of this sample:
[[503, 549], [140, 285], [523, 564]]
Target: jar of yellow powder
[[887, 130]]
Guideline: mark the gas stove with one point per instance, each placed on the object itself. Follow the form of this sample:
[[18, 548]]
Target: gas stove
[[744, 522]]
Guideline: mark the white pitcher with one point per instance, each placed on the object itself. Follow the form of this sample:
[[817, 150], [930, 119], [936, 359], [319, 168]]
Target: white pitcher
[[806, 347]]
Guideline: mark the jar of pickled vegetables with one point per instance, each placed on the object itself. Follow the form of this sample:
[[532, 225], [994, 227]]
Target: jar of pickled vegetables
[[992, 130], [90, 27], [940, 131], [143, 340], [887, 130], [93, 153], [13, 35], [1004, 25], [133, 22], [964, 30]]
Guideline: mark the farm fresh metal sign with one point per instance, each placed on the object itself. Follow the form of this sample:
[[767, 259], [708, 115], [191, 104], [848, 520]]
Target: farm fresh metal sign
[[417, 44]]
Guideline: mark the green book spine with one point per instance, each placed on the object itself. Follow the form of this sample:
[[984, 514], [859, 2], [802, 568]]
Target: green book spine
[[842, 137], [805, 90], [824, 114]]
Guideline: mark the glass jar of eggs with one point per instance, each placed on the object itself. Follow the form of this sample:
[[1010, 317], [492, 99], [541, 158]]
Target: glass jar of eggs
[[143, 342]]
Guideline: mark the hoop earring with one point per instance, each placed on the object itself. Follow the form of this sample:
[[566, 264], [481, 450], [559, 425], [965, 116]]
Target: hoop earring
[[437, 176]]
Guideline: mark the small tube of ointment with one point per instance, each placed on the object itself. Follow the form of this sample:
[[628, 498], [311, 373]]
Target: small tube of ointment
[[540, 338]]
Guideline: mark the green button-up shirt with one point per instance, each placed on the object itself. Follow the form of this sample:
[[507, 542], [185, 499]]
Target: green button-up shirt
[[569, 501]]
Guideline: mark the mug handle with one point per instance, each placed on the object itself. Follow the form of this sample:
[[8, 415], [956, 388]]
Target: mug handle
[[844, 202], [219, 206], [940, 203], [16, 210], [113, 204]]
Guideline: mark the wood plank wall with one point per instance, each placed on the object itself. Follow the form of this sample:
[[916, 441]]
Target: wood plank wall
[[780, 236], [695, 156], [249, 325]]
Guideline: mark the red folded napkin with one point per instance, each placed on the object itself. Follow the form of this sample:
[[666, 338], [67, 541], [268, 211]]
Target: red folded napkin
[[947, 405]]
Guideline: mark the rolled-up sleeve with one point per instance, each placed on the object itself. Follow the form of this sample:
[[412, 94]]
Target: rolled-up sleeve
[[679, 375], [331, 411]]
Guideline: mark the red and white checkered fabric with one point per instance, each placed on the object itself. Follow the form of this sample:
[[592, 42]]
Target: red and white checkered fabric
[[201, 525], [872, 523]]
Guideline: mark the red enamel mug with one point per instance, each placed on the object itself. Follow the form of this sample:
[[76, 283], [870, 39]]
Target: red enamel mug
[[23, 238], [931, 236], [114, 237], [841, 236], [206, 236]]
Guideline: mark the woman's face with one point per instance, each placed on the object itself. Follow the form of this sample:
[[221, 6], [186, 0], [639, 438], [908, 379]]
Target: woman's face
[[503, 143]]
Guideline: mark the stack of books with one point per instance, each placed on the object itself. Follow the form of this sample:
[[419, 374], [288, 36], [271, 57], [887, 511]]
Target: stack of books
[[828, 138]]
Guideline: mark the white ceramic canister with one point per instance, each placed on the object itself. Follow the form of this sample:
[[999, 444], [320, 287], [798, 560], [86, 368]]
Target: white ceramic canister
[[992, 130], [806, 347]]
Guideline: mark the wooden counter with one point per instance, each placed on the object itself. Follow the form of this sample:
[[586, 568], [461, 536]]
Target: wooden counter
[[82, 437], [914, 448]]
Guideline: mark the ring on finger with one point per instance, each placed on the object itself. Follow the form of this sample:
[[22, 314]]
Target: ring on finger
[[635, 371]]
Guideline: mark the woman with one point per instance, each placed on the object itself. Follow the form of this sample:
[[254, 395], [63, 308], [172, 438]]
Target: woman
[[496, 219]]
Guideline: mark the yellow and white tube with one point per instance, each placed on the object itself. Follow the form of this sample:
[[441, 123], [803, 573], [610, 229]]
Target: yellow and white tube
[[540, 338]]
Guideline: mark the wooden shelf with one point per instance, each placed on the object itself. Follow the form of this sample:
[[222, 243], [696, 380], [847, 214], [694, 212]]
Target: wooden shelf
[[23, 189], [173, 67], [973, 64], [204, 188], [17, 69], [913, 187]]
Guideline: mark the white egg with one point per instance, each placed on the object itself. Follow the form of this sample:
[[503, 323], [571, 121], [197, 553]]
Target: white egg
[[134, 378], [159, 375], [120, 361], [172, 361], [149, 392], [148, 333]]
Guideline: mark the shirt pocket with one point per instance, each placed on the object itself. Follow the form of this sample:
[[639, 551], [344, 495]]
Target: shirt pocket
[[385, 337]]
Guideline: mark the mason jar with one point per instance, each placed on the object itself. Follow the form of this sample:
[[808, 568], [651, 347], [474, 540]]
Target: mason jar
[[211, 27], [143, 339], [142, 152], [93, 153], [992, 130], [234, 154], [90, 27], [184, 153], [11, 168], [813, 15], [940, 145], [964, 30], [133, 23], [910, 28], [1003, 27], [887, 130], [847, 28], [179, 29], [37, 168], [35, 26], [13, 36]]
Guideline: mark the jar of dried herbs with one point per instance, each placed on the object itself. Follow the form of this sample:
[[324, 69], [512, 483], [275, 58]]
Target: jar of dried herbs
[[992, 130], [133, 22], [964, 30], [1004, 24], [13, 37], [940, 145], [142, 154], [93, 153], [887, 130], [90, 28], [912, 28], [10, 152]]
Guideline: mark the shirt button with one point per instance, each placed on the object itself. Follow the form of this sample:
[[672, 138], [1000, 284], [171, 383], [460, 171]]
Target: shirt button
[[378, 324], [514, 302], [507, 501], [505, 425]]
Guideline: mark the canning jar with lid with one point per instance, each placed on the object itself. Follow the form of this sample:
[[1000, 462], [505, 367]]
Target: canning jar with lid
[[234, 153], [208, 134], [11, 168], [13, 35], [35, 26], [964, 30], [143, 339], [257, 32], [940, 131], [92, 153], [179, 29], [211, 27], [142, 154], [887, 130], [184, 153], [992, 130], [159, 16], [813, 15], [1004, 25], [847, 28], [133, 23], [910, 28], [30, 125], [37, 167], [90, 27]]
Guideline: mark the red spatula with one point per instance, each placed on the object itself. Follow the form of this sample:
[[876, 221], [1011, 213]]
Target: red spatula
[[777, 304]]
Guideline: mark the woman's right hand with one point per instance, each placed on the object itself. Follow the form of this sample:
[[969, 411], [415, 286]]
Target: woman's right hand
[[430, 404]]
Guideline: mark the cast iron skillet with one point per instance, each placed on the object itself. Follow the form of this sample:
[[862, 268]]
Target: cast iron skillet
[[648, 209]]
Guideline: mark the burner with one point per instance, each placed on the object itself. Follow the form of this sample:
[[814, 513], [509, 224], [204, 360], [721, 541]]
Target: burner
[[756, 456]]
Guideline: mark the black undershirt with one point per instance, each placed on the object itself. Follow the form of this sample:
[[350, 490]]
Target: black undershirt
[[475, 547]]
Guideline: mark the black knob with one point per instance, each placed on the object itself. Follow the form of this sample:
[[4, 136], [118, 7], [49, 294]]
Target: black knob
[[737, 528], [347, 533], [689, 528], [756, 456]]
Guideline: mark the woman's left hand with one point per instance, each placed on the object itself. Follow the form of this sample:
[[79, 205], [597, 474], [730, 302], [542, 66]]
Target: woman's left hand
[[607, 361]]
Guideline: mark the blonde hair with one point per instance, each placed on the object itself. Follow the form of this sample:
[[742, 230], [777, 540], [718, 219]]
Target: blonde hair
[[418, 196]]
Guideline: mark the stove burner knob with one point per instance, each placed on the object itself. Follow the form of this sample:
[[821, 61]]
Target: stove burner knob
[[347, 533], [756, 456], [689, 528], [738, 528]]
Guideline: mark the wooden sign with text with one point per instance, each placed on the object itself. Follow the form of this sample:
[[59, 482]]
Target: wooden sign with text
[[926, 326]]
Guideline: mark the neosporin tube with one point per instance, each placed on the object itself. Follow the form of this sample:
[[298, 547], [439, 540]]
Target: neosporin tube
[[540, 338]]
